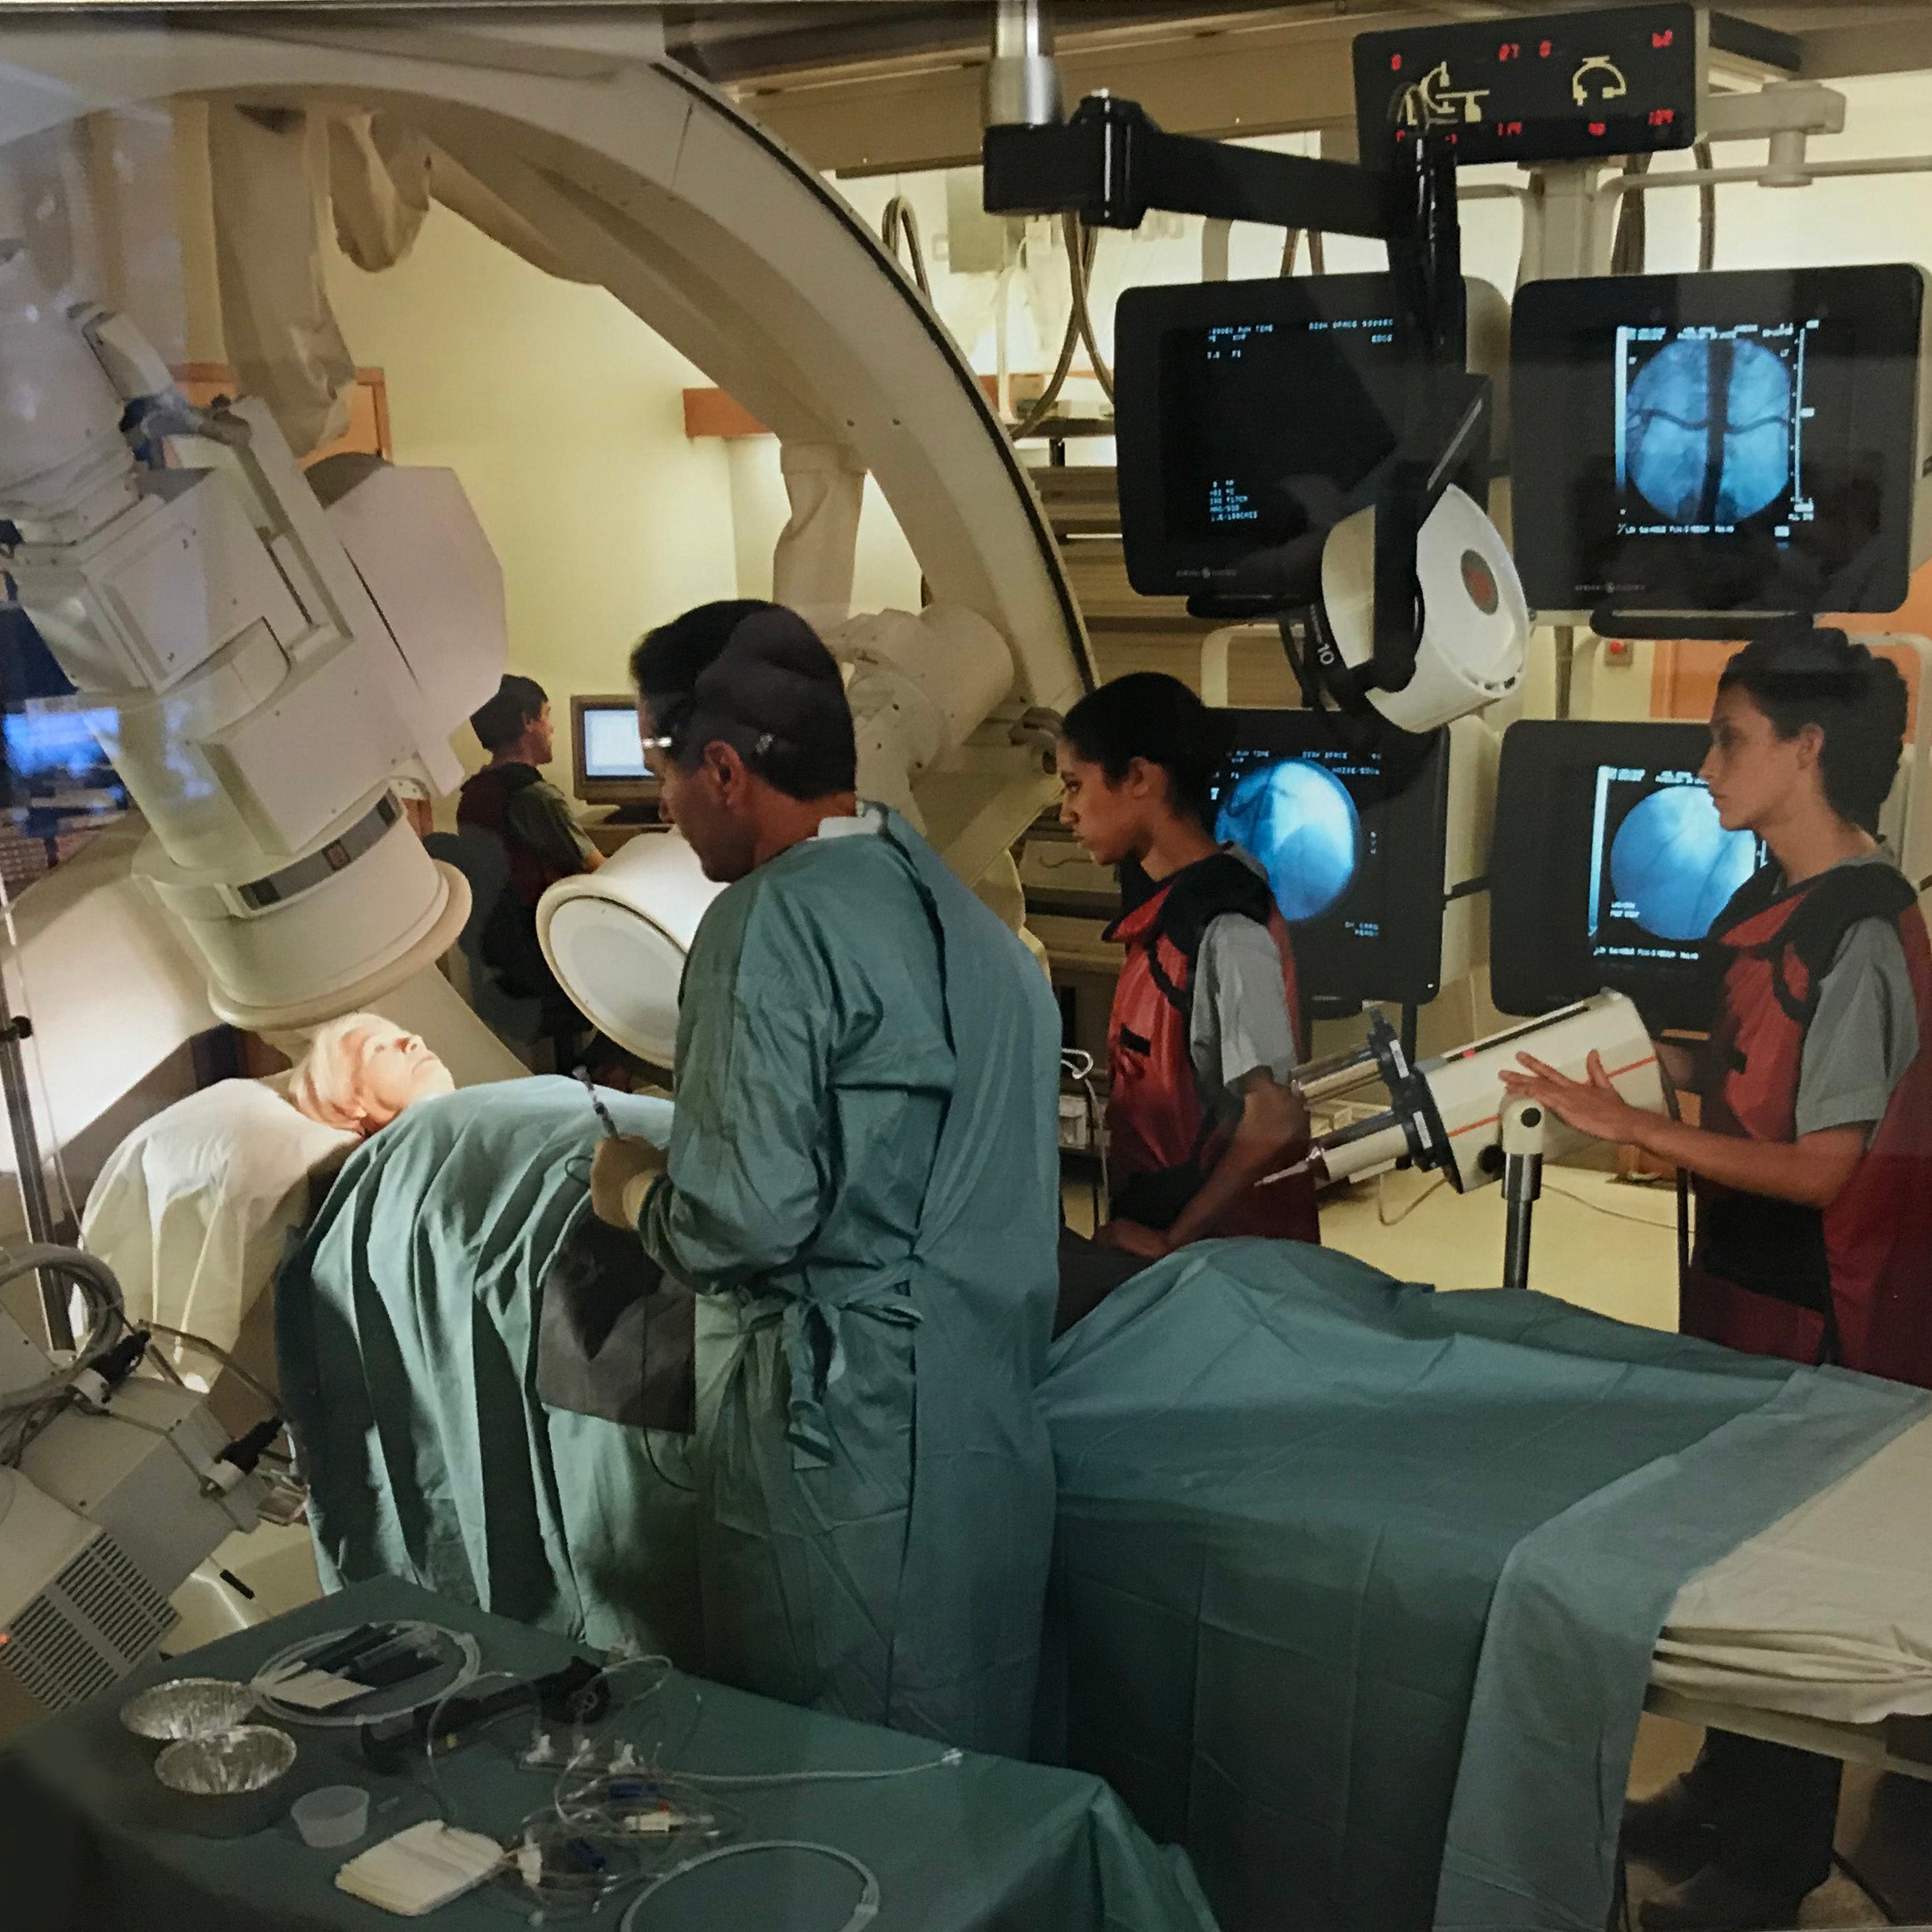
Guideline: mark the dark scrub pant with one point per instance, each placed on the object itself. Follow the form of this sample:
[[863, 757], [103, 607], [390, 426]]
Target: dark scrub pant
[[1774, 1808]]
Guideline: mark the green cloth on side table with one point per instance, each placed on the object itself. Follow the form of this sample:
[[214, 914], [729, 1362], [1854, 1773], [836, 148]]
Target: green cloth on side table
[[983, 1845], [1335, 1554]]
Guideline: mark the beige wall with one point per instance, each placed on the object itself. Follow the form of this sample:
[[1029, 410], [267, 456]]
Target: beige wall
[[563, 413]]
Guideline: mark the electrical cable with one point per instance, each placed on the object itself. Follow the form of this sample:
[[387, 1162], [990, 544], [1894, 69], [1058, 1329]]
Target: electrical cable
[[91, 1274], [1629, 245], [1887, 1910], [1081, 244], [1615, 1214], [862, 1914], [1043, 404], [898, 220], [1396, 1219], [167, 1435], [221, 1355]]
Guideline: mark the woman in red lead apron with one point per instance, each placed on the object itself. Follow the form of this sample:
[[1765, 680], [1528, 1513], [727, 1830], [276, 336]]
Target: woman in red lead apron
[[1202, 1035], [1812, 1163]]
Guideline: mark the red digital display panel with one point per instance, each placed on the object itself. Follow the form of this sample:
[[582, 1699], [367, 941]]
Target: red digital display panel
[[1614, 80]]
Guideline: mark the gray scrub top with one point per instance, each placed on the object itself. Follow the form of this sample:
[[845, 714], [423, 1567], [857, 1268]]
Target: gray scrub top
[[1865, 1032], [1240, 1014]]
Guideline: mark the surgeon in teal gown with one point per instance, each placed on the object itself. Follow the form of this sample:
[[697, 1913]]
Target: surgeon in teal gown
[[863, 1187]]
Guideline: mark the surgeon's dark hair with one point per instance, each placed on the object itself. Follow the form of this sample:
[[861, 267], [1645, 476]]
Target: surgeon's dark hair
[[519, 703], [1150, 715], [779, 699], [1798, 676]]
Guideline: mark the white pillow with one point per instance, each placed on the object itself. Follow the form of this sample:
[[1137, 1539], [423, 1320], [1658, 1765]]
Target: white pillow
[[194, 1207]]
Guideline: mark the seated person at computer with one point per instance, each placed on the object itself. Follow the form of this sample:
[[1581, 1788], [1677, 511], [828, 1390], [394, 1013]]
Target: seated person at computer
[[511, 797], [1202, 1038]]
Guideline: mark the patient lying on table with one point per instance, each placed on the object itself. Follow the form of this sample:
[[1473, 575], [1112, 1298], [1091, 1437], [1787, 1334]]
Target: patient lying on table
[[194, 1208]]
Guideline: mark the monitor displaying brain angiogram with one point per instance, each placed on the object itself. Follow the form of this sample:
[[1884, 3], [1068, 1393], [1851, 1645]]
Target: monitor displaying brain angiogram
[[1353, 849], [1673, 867], [1301, 823], [1662, 865], [1708, 424], [1745, 440]]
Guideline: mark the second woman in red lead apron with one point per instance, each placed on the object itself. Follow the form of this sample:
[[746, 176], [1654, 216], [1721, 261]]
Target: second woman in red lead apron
[[1203, 1036], [1811, 1160]]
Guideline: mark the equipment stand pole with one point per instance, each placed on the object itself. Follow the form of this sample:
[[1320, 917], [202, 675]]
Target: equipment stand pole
[[27, 1165], [1523, 1181]]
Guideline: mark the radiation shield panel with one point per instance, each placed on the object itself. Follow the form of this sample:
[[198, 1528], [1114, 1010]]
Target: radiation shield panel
[[1353, 847], [1608, 868], [1745, 442]]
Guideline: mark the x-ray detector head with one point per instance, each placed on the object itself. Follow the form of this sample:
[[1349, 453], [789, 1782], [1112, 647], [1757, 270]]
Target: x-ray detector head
[[265, 668]]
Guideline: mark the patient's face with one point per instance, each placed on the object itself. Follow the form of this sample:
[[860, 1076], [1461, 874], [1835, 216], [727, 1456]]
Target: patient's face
[[396, 1069]]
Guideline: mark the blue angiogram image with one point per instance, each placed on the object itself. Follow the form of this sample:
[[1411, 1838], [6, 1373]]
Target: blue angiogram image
[[1701, 399], [1299, 822], [57, 745], [1675, 863]]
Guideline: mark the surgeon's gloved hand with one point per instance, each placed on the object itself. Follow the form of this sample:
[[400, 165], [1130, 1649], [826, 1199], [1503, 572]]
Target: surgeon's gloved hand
[[621, 1171]]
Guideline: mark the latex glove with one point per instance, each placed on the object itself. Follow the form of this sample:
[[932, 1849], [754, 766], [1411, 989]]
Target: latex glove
[[621, 1171]]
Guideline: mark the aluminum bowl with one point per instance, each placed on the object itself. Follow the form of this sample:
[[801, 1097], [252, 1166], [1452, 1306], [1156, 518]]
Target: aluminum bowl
[[187, 1707], [247, 1759]]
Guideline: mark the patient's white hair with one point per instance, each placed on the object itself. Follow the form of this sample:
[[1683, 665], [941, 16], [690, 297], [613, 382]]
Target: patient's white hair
[[325, 1084]]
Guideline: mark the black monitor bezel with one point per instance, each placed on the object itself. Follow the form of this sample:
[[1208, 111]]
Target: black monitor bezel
[[1549, 324], [1415, 821], [1539, 956], [1160, 563]]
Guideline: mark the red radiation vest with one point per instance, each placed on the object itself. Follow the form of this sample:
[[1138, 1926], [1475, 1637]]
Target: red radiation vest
[[485, 801], [1161, 1145], [1850, 1282]]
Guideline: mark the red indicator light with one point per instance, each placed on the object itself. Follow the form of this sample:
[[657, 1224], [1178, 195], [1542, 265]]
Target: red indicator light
[[1545, 50], [1665, 38], [1597, 127], [1662, 117], [1509, 50], [1394, 63]]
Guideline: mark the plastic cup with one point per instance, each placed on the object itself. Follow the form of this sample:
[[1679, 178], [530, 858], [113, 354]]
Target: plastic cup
[[335, 1815]]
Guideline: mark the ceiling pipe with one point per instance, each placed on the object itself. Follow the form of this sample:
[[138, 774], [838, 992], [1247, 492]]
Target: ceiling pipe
[[1022, 83]]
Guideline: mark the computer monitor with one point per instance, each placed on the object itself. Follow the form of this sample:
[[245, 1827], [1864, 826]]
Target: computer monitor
[[1250, 414], [607, 755], [56, 766], [1746, 442], [1353, 845], [1608, 867]]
